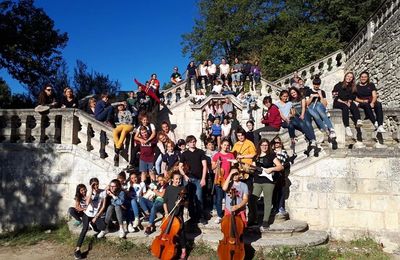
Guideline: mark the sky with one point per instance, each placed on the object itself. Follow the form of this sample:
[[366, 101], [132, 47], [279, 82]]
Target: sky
[[121, 38]]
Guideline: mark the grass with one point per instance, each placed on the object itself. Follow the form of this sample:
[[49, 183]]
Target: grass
[[360, 249]]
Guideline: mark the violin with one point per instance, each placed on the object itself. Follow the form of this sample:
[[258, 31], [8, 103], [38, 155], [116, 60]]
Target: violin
[[231, 247], [164, 245], [243, 171], [219, 174]]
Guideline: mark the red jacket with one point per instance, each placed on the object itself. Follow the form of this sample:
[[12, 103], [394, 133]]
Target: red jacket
[[272, 117]]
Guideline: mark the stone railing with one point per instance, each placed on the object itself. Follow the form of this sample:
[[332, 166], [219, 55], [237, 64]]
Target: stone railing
[[376, 21], [323, 66], [60, 126], [177, 93]]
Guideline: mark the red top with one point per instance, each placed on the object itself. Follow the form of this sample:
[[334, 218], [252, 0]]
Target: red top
[[224, 162], [272, 117]]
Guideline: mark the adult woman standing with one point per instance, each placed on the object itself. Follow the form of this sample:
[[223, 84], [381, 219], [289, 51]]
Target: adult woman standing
[[46, 97], [270, 164], [69, 100], [367, 97]]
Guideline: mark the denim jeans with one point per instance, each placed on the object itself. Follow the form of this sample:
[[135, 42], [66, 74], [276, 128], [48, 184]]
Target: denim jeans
[[133, 211], [219, 195], [158, 164], [195, 197], [318, 112], [301, 125], [118, 211], [157, 207], [145, 204]]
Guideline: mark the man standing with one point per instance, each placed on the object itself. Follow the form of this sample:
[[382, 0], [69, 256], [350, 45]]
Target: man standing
[[195, 178]]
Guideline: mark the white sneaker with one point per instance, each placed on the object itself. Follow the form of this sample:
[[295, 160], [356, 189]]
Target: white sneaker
[[332, 134], [381, 129], [348, 131], [131, 229], [359, 145], [101, 234], [217, 220], [376, 124], [121, 233], [135, 223], [359, 123], [380, 146]]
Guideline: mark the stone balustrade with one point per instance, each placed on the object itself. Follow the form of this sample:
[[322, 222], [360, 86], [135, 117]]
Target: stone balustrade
[[375, 22], [326, 65], [58, 126], [177, 93]]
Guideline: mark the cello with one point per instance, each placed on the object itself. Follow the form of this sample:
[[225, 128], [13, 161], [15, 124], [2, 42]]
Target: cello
[[164, 245], [231, 247]]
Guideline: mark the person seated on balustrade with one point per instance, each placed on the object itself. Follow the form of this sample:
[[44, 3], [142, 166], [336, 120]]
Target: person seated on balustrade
[[132, 106], [80, 204], [316, 106], [221, 161], [104, 112], [268, 164], [256, 75], [227, 106], [96, 204], [46, 99], [176, 76], [367, 98], [191, 76], [117, 198], [68, 100], [294, 81], [217, 88], [209, 110], [271, 118], [234, 184], [142, 101], [160, 150], [251, 104], [199, 97], [91, 106], [246, 71], [237, 74], [203, 78], [297, 121], [344, 96], [211, 72], [154, 205], [225, 71], [123, 128]]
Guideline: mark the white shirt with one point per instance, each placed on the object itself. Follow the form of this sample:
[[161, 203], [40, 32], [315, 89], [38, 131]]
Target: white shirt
[[226, 129], [217, 88], [212, 69], [203, 70], [224, 68], [94, 205]]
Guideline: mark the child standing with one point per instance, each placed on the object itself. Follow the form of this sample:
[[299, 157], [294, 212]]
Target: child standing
[[216, 131]]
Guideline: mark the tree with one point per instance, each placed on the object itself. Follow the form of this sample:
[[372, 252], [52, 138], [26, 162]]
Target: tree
[[5, 94], [30, 47], [61, 80], [92, 83]]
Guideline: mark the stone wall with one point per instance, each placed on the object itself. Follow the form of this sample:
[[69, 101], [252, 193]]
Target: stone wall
[[350, 195], [379, 55], [38, 181]]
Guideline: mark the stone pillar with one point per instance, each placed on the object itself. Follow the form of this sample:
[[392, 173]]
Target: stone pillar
[[67, 128]]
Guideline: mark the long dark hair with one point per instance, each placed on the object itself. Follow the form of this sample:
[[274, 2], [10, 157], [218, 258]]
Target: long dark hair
[[299, 95], [351, 85], [264, 140], [78, 195]]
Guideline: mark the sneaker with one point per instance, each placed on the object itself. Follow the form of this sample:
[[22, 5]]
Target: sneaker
[[380, 146], [131, 229], [376, 124], [332, 133], [77, 223], [121, 233], [381, 129], [78, 254], [217, 220], [359, 123], [264, 227], [135, 223], [282, 211], [359, 145], [147, 231], [101, 234], [348, 131]]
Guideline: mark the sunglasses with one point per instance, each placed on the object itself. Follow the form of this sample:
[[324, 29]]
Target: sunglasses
[[49, 89]]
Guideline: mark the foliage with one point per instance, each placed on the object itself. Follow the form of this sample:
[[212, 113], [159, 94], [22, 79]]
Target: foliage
[[5, 94], [87, 83], [30, 46], [284, 35]]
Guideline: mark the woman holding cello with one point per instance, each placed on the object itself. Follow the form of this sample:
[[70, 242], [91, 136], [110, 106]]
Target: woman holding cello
[[164, 246], [221, 166], [232, 225]]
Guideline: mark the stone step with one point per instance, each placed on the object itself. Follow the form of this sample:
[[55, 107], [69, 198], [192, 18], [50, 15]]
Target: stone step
[[253, 237]]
